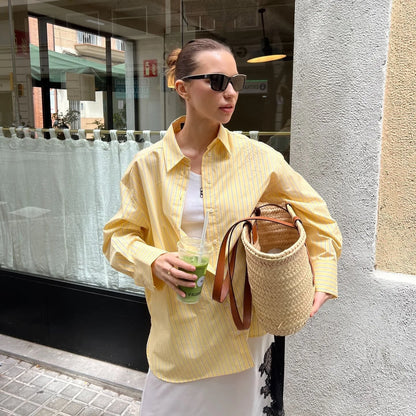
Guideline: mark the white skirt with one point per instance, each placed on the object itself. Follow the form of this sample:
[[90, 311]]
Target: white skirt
[[231, 395]]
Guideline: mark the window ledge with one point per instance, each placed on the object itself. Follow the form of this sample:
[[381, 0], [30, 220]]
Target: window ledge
[[408, 279]]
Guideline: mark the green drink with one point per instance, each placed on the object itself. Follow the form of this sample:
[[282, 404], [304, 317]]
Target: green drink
[[189, 250]]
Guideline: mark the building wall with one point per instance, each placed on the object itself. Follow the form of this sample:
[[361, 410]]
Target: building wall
[[356, 356], [22, 77], [6, 71], [396, 238], [64, 39], [36, 91]]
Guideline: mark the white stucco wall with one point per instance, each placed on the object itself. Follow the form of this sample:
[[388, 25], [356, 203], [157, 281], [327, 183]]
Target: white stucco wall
[[357, 356]]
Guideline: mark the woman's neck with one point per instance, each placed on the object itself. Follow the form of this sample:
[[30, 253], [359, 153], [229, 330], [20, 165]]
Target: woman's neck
[[194, 139], [197, 134]]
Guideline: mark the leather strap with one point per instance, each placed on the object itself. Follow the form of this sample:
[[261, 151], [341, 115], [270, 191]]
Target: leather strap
[[224, 285]]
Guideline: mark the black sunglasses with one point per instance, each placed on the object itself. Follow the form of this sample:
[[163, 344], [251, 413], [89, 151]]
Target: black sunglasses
[[219, 82]]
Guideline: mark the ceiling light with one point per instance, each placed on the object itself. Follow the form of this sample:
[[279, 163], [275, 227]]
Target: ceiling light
[[266, 54]]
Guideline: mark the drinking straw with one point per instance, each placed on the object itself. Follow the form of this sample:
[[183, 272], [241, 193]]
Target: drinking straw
[[204, 233]]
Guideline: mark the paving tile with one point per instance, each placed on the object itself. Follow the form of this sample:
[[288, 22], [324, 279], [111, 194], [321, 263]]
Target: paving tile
[[26, 409], [11, 403], [127, 398], [41, 396], [65, 377], [57, 403], [110, 393], [4, 368], [13, 387], [50, 373], [88, 411], [41, 381], [102, 401], [95, 387], [26, 392], [3, 381], [14, 371], [72, 409], [6, 365], [117, 407], [44, 412], [10, 360], [27, 376], [3, 396], [70, 391], [80, 382], [132, 410], [27, 389], [56, 385], [86, 396], [25, 364]]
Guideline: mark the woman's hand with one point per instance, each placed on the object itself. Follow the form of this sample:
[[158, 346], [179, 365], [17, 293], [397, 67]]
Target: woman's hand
[[319, 299], [165, 268]]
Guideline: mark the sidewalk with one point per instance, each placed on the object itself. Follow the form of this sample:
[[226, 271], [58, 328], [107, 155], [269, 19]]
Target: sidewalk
[[43, 381]]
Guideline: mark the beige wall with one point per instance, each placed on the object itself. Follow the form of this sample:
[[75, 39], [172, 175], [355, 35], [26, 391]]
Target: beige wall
[[396, 236]]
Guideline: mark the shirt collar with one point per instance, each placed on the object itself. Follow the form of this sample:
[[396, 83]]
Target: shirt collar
[[171, 149], [172, 152], [223, 137]]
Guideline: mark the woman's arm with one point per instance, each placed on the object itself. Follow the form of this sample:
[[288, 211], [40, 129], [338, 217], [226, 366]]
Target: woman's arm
[[128, 235], [323, 237]]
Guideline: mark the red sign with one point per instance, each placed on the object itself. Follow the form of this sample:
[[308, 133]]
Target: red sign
[[150, 68], [22, 42]]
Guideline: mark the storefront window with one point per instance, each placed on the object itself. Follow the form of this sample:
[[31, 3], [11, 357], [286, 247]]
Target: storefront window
[[82, 89]]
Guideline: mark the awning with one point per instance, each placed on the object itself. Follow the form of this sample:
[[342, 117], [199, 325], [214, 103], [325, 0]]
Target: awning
[[60, 64]]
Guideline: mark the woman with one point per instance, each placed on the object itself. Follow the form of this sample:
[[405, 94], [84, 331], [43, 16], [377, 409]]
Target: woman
[[200, 364]]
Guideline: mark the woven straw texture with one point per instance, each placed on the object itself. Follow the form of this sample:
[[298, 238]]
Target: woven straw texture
[[281, 283]]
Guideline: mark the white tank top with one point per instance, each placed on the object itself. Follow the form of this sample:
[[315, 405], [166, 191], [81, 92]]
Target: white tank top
[[193, 210]]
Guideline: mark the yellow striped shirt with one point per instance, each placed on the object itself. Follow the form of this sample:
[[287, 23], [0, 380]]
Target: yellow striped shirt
[[190, 342]]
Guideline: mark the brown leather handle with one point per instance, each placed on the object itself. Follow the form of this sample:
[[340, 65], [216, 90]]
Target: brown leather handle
[[223, 286]]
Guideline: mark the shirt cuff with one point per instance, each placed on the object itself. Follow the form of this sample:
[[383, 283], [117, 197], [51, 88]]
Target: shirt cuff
[[143, 275], [326, 277]]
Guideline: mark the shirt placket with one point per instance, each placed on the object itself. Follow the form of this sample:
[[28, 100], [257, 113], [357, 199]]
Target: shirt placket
[[210, 207]]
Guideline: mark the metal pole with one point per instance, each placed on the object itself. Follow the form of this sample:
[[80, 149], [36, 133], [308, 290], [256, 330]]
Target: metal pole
[[44, 71], [16, 112], [278, 375], [109, 83]]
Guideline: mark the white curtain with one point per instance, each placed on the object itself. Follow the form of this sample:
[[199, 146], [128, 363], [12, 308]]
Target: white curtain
[[55, 197]]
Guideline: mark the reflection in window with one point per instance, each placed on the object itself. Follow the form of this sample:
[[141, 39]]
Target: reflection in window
[[84, 37], [120, 45], [86, 68]]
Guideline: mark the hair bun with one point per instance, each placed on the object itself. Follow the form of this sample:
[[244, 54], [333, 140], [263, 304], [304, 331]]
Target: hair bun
[[173, 57], [171, 63]]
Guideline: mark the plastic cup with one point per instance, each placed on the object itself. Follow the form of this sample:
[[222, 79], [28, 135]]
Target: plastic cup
[[190, 250]]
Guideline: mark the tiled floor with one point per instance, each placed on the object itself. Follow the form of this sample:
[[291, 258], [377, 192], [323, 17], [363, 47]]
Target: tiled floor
[[30, 389]]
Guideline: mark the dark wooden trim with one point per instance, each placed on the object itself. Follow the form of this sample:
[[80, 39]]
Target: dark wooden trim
[[104, 324], [44, 71]]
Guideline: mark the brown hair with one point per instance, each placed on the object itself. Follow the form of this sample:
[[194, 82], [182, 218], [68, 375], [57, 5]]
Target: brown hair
[[182, 62]]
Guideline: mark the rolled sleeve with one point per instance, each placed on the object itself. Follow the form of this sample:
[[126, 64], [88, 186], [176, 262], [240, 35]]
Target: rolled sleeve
[[127, 239], [326, 277], [143, 266]]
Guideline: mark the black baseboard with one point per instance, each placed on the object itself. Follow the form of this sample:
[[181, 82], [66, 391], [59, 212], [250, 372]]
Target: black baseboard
[[99, 323]]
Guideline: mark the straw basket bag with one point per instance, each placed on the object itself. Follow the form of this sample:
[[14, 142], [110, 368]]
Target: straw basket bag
[[279, 277]]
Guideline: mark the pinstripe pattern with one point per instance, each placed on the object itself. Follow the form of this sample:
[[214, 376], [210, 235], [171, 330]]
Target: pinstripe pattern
[[190, 342]]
